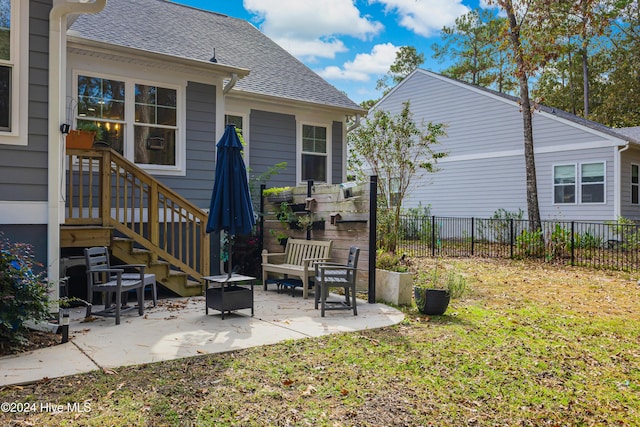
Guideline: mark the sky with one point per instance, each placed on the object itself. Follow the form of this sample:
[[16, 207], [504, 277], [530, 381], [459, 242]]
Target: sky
[[350, 43]]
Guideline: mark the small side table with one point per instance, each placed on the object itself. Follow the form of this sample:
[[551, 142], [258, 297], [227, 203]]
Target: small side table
[[224, 293]]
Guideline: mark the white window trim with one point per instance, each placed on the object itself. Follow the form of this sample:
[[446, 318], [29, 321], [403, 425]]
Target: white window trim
[[299, 151], [604, 182], [180, 168], [18, 135], [578, 184], [246, 134], [632, 184], [554, 185]]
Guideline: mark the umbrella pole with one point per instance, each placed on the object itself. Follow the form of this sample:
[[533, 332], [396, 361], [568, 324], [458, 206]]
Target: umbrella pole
[[229, 256]]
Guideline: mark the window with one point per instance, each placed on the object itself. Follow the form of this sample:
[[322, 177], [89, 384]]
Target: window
[[156, 125], [634, 184], [592, 182], [564, 184], [233, 120], [138, 120], [101, 101], [6, 65], [314, 153]]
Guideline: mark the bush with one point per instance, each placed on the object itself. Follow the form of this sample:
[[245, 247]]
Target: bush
[[497, 228], [23, 293]]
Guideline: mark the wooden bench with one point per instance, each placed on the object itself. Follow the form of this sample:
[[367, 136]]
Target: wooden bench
[[297, 260]]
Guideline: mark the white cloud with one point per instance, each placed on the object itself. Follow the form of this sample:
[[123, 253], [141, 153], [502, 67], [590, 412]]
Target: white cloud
[[364, 65], [425, 17], [310, 27]]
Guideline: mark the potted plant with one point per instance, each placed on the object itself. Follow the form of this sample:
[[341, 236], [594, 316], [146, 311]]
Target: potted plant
[[433, 292], [280, 236], [394, 281], [287, 217], [278, 194], [84, 135]]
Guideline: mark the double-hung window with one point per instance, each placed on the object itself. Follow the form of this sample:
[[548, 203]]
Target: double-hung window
[[314, 153], [6, 65], [587, 178], [564, 184], [635, 183], [138, 120], [592, 182], [14, 65]]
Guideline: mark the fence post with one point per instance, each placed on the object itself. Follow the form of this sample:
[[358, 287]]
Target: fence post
[[373, 221], [261, 229], [433, 235], [511, 237], [472, 231], [309, 189], [572, 243]]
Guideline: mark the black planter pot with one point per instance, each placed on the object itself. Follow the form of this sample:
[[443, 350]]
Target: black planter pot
[[317, 225], [431, 301]]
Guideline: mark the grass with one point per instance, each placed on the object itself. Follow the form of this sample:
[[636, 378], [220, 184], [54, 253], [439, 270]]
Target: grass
[[527, 345]]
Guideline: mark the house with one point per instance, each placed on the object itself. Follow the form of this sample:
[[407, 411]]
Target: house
[[585, 171], [161, 80]]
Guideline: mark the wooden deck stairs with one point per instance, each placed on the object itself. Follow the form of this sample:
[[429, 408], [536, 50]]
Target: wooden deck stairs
[[111, 202]]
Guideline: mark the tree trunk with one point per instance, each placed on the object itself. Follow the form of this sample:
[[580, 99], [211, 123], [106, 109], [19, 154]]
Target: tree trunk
[[533, 209], [585, 82]]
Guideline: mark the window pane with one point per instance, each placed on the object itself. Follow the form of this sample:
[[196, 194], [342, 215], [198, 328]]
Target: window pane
[[5, 98], [234, 120], [154, 146], [564, 194], [145, 94], [634, 194], [634, 174], [5, 29], [100, 98], [145, 114], [565, 174], [314, 139], [314, 167], [166, 116], [593, 193], [592, 172], [166, 97]]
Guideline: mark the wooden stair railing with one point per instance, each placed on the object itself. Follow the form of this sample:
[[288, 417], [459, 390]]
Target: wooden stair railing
[[105, 189]]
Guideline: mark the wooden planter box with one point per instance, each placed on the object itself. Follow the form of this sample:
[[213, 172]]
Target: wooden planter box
[[80, 139]]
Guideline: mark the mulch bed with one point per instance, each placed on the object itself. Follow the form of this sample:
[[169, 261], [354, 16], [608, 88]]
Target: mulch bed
[[36, 340]]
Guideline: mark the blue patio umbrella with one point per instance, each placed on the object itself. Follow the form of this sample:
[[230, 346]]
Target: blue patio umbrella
[[231, 209]]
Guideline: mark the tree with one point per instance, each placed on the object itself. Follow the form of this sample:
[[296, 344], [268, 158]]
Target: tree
[[530, 34], [473, 43], [395, 148], [407, 60]]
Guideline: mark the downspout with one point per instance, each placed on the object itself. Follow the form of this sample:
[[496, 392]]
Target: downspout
[[617, 207], [345, 162], [56, 147], [230, 84], [355, 124]]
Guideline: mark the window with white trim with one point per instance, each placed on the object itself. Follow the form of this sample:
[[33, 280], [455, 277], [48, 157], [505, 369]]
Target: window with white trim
[[564, 184], [6, 65], [585, 178], [592, 182], [635, 182], [314, 153], [139, 120]]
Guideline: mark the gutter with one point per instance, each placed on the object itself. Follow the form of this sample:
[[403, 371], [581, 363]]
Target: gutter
[[617, 203], [230, 84], [56, 117]]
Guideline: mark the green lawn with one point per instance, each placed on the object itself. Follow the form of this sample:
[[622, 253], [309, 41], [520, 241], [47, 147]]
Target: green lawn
[[528, 345]]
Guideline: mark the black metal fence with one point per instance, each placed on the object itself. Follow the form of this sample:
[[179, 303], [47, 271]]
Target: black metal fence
[[611, 245]]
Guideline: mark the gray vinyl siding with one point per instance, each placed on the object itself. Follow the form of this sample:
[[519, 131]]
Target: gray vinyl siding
[[629, 157], [485, 168], [273, 140], [196, 186], [23, 169], [337, 145]]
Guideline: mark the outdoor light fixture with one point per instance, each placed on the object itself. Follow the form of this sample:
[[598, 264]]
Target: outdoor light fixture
[[64, 323]]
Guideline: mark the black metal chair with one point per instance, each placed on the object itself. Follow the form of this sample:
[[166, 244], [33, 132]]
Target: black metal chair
[[101, 277], [332, 275]]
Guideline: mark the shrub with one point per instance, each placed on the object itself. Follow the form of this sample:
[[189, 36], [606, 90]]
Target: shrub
[[497, 228], [23, 293], [530, 243], [391, 261]]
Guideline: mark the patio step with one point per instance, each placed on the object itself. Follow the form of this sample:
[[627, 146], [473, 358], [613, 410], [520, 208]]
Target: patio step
[[174, 280]]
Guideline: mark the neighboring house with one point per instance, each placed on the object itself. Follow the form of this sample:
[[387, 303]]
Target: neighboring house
[[585, 171], [144, 71]]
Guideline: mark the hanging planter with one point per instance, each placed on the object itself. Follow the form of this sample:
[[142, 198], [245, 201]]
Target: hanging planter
[[278, 194]]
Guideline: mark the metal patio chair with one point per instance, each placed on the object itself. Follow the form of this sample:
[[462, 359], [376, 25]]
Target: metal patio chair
[[332, 275]]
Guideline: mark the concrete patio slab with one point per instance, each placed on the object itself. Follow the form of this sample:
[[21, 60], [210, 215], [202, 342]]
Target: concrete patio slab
[[179, 328]]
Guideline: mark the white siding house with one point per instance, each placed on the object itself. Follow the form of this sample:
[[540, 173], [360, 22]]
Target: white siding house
[[584, 169]]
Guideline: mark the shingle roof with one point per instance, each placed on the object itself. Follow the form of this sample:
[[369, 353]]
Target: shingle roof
[[164, 27], [631, 136]]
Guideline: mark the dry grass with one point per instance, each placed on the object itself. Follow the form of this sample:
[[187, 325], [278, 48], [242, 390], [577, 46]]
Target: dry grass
[[527, 345]]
